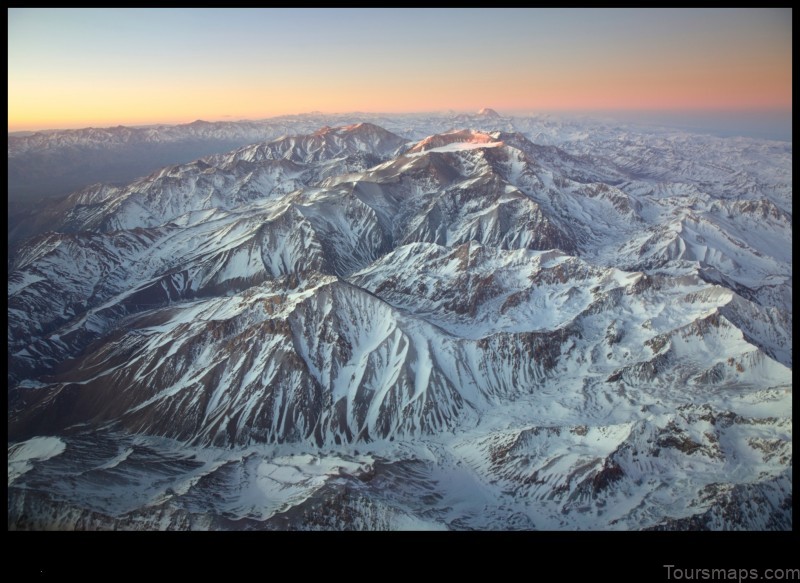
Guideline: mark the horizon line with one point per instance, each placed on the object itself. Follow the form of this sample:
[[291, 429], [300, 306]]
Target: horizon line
[[514, 112]]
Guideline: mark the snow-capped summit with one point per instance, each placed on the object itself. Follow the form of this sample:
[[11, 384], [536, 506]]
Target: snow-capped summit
[[457, 139], [488, 112]]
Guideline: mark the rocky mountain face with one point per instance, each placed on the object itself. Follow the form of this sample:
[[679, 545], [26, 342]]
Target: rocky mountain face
[[469, 329]]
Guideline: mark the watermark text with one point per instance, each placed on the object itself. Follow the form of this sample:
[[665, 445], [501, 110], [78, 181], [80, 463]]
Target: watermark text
[[702, 574]]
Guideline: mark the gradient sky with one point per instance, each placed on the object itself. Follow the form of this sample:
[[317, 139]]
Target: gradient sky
[[102, 67]]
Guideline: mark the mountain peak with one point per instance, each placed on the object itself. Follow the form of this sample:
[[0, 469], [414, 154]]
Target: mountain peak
[[453, 138], [356, 129], [323, 130], [364, 127], [488, 112]]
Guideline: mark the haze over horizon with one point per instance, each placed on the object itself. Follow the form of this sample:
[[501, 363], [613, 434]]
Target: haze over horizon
[[75, 68]]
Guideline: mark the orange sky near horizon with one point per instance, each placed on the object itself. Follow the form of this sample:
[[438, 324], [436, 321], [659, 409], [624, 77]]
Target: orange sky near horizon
[[79, 68]]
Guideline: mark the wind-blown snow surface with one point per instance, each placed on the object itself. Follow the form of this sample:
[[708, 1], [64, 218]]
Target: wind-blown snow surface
[[530, 325]]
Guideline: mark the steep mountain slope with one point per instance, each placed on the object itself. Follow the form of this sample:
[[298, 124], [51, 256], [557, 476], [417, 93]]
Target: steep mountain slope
[[346, 329], [218, 182]]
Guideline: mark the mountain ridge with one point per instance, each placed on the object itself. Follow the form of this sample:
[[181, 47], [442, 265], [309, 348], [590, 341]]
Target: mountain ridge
[[471, 301]]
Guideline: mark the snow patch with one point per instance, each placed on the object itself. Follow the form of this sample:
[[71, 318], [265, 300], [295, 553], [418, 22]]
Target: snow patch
[[21, 456]]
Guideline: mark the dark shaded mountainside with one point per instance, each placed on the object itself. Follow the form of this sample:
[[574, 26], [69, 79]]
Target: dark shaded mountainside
[[343, 319], [54, 163]]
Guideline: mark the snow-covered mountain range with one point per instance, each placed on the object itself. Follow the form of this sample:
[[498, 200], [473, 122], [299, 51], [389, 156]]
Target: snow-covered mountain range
[[447, 322]]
